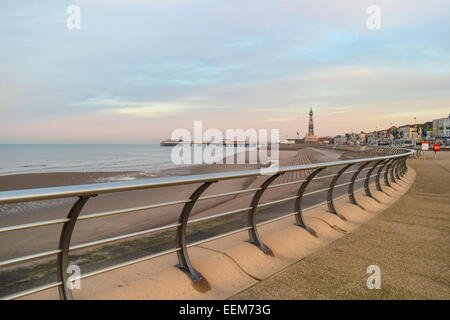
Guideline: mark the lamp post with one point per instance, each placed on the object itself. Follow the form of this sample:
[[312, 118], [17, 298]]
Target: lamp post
[[391, 134], [415, 132], [377, 135]]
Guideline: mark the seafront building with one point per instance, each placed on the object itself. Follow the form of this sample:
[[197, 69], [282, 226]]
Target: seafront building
[[446, 133], [435, 131], [407, 132], [441, 130]]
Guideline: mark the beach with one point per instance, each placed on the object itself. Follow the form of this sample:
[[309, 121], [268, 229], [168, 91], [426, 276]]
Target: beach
[[24, 242], [30, 241]]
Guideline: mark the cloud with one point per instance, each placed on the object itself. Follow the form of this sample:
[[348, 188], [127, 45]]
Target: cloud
[[134, 108], [279, 119], [149, 110]]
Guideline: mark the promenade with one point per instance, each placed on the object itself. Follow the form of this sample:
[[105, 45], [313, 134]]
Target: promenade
[[409, 241], [403, 230]]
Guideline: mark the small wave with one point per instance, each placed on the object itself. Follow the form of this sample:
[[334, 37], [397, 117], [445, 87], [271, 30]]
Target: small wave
[[34, 166], [28, 207], [125, 178], [117, 178]]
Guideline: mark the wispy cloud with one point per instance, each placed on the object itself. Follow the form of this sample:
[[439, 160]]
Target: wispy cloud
[[279, 119], [135, 108], [150, 110]]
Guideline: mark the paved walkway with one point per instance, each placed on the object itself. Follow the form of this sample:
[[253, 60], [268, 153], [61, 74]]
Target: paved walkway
[[409, 241]]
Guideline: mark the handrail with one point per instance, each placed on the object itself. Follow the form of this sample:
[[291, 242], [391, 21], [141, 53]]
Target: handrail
[[110, 187], [394, 157]]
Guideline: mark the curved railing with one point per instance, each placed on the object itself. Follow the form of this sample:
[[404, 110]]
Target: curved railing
[[386, 163]]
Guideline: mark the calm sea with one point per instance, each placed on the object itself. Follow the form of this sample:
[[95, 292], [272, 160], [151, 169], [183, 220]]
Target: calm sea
[[39, 158]]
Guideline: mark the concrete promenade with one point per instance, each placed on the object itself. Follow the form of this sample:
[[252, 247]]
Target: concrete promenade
[[409, 241], [406, 234]]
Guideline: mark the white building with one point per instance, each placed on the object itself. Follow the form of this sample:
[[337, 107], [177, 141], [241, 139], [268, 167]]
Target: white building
[[438, 127], [446, 125], [441, 130]]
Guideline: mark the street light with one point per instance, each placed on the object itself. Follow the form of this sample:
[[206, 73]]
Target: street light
[[378, 136], [415, 132], [392, 133]]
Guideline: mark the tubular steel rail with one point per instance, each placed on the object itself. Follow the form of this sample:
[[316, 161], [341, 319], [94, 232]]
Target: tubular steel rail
[[387, 160]]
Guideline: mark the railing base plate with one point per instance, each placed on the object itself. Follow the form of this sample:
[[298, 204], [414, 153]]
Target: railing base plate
[[263, 248], [339, 215], [195, 277], [376, 199], [310, 230]]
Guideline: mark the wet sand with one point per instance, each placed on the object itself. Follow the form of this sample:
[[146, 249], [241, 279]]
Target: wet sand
[[19, 243]]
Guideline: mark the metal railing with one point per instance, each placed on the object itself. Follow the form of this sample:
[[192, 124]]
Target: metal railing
[[391, 162]]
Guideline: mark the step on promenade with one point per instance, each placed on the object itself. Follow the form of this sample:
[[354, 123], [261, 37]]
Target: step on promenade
[[409, 241]]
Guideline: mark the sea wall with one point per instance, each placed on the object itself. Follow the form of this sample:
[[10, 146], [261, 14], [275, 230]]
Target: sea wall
[[231, 264]]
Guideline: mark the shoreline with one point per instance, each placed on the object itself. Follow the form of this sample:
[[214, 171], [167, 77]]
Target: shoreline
[[23, 242], [29, 180]]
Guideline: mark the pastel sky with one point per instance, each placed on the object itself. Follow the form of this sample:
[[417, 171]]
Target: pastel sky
[[137, 70]]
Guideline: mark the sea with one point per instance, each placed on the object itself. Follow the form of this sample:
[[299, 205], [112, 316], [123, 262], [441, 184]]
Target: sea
[[149, 160], [44, 158]]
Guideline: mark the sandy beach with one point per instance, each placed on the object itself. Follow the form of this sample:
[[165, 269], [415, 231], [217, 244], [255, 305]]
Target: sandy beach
[[19, 243]]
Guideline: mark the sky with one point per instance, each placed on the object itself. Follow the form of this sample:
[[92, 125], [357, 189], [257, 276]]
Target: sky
[[137, 70]]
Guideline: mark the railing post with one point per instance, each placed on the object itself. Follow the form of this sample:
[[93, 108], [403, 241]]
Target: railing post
[[184, 263], [405, 167], [251, 218], [366, 182], [377, 179], [62, 260], [351, 187], [402, 167], [394, 162], [386, 173], [330, 200], [397, 166], [299, 202]]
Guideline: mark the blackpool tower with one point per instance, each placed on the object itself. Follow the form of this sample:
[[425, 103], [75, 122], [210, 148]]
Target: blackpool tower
[[311, 124]]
